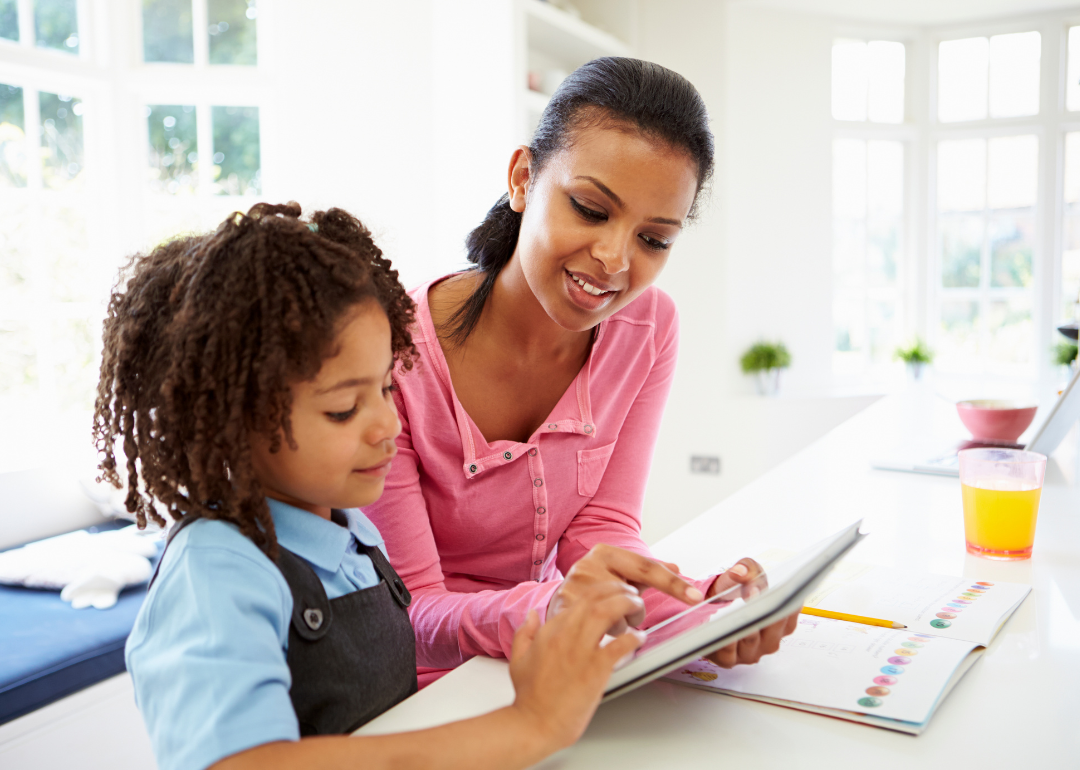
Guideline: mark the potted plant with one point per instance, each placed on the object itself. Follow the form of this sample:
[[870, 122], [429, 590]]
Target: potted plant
[[915, 356], [765, 360], [1064, 354]]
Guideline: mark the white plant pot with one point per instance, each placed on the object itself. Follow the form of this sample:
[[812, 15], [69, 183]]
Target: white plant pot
[[768, 382]]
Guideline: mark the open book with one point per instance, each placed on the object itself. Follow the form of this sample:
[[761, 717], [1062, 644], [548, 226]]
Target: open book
[[891, 678]]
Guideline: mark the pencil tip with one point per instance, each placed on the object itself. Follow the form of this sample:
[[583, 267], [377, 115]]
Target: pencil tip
[[899, 625]]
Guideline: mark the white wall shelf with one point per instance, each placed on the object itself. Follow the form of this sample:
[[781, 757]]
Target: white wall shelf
[[564, 37]]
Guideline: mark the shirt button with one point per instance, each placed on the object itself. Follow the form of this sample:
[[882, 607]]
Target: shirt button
[[539, 537], [538, 482], [532, 453], [507, 455], [588, 429], [538, 562], [472, 469], [541, 510], [552, 426]]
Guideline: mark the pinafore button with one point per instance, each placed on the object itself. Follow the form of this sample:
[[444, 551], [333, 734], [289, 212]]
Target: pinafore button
[[313, 618]]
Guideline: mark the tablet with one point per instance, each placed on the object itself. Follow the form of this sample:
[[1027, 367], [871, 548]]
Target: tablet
[[732, 615]]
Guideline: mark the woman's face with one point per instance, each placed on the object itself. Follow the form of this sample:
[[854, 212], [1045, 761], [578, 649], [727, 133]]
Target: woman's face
[[599, 221]]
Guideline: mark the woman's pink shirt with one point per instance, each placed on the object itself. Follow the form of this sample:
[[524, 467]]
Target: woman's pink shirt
[[483, 532]]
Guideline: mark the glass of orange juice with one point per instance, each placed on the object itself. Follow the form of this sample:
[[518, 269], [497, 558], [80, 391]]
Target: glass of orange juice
[[1001, 489]]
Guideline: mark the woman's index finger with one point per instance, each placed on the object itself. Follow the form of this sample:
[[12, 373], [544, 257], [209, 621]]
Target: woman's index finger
[[642, 572]]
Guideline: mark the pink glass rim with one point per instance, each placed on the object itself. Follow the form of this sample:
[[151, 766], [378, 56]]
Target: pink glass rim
[[994, 455]]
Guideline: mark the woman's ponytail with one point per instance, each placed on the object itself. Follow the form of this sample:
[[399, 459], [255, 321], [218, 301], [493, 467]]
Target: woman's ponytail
[[489, 247]]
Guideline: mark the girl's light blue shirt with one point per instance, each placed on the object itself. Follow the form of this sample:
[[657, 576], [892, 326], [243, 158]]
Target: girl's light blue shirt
[[207, 653]]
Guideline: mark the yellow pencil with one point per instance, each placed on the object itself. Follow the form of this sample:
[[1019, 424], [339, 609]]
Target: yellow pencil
[[852, 618]]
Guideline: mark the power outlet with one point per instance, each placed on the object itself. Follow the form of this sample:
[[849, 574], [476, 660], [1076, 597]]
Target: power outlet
[[709, 466]]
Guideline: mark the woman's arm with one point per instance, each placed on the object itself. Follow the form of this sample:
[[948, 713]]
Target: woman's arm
[[559, 673]]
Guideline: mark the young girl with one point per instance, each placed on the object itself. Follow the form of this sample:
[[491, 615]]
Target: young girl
[[248, 375]]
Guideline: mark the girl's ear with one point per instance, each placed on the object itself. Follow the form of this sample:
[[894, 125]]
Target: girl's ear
[[518, 178]]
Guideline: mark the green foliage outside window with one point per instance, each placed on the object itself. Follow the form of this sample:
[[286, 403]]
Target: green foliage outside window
[[236, 150], [13, 160], [915, 353], [167, 31], [56, 25], [61, 138], [232, 31], [9, 19]]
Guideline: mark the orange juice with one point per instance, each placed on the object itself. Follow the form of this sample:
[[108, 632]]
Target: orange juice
[[1000, 523]]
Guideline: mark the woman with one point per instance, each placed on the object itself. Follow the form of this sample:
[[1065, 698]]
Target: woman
[[529, 424]]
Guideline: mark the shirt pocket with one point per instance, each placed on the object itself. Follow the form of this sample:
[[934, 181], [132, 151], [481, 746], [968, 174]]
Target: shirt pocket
[[591, 466]]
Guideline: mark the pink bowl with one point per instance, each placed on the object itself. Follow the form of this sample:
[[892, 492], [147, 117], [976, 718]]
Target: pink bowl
[[996, 420]]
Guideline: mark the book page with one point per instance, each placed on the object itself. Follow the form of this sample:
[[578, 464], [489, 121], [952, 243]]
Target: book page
[[971, 609], [893, 674]]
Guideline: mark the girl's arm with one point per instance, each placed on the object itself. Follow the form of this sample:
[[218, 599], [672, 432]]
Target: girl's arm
[[559, 673]]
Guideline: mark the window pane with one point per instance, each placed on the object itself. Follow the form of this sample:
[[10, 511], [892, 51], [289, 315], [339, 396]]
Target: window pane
[[849, 83], [167, 32], [848, 322], [885, 61], [881, 329], [1072, 82], [1014, 172], [18, 359], [16, 237], [1012, 239], [63, 247], [849, 248], [1014, 74], [961, 175], [882, 252], [958, 339], [61, 139], [9, 19], [849, 178], [173, 157], [13, 157], [232, 31], [962, 79], [885, 179], [56, 25], [961, 249], [1012, 338], [1070, 265], [1072, 167], [236, 150]]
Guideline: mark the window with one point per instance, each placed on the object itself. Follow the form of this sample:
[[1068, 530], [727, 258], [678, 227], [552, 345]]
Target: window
[[1070, 256], [77, 197], [868, 81], [996, 77], [868, 196], [986, 227], [868, 204]]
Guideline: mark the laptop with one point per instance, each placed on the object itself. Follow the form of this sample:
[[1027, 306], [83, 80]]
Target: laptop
[[1066, 411]]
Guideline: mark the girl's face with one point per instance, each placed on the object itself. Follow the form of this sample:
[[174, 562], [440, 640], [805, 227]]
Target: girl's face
[[344, 423], [599, 221]]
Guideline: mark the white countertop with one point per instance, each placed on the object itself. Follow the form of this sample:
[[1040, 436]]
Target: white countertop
[[1018, 706]]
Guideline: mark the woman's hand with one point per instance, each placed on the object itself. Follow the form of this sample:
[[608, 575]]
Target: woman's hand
[[560, 670], [606, 563], [748, 574]]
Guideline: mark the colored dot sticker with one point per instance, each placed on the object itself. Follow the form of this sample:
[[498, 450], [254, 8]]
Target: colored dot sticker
[[957, 605], [909, 653], [984, 584], [952, 609], [970, 595], [910, 643], [891, 670], [924, 636], [962, 601], [870, 703], [919, 638], [979, 591], [878, 692], [947, 615], [899, 661], [936, 623], [885, 680]]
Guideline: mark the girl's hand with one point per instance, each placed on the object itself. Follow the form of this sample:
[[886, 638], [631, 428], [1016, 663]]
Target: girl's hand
[[749, 574], [560, 670], [606, 563]]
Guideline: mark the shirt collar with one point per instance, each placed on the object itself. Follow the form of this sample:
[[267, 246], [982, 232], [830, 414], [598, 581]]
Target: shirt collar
[[321, 542]]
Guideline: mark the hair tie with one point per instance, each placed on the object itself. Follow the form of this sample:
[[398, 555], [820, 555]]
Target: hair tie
[[313, 227]]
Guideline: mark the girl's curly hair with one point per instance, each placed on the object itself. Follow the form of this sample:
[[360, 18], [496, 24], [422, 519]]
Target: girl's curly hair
[[203, 341]]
